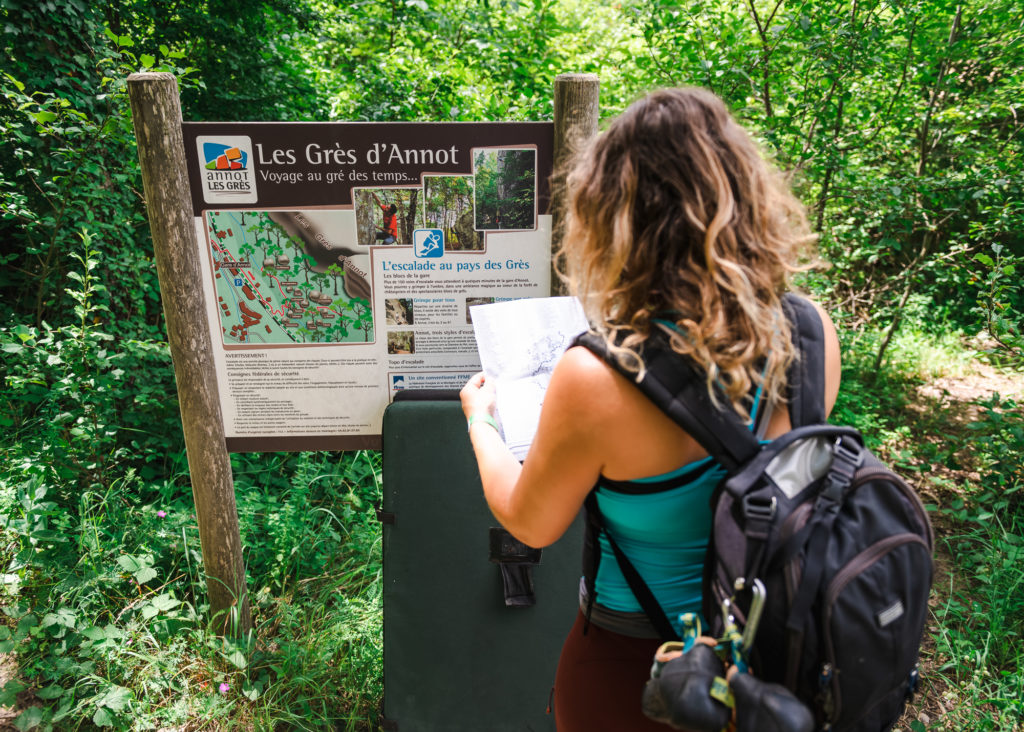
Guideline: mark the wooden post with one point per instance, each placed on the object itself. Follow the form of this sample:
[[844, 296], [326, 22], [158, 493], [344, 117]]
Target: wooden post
[[156, 111], [576, 115]]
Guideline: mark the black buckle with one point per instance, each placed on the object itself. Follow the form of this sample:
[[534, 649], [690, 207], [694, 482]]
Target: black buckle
[[758, 509], [848, 458], [845, 462]]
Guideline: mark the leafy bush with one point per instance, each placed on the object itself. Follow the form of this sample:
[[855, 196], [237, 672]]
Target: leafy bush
[[78, 404], [108, 614], [67, 164]]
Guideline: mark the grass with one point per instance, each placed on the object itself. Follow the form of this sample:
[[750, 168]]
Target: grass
[[108, 622], [978, 629]]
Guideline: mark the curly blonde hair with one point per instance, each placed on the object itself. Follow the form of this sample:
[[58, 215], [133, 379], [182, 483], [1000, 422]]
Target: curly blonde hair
[[675, 216]]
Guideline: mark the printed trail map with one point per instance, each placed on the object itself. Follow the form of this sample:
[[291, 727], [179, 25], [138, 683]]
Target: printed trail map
[[277, 284]]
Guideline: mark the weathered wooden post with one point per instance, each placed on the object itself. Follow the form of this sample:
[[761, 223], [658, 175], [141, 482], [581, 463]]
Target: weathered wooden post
[[156, 110], [576, 115]]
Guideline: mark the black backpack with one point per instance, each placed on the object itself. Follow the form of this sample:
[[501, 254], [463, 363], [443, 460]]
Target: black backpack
[[842, 545]]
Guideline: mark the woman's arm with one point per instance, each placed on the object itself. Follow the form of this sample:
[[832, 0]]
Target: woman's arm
[[538, 500]]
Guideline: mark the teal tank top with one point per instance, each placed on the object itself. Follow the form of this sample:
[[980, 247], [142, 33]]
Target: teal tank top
[[662, 524]]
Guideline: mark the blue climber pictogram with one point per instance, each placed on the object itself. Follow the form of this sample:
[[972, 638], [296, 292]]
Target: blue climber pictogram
[[428, 243]]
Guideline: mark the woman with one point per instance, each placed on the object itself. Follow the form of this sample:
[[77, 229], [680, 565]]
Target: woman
[[674, 222]]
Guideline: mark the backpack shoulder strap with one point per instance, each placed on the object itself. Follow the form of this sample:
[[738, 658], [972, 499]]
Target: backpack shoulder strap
[[805, 378], [679, 390]]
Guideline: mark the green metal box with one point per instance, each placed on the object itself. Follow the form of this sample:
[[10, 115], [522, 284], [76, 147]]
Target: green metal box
[[456, 657]]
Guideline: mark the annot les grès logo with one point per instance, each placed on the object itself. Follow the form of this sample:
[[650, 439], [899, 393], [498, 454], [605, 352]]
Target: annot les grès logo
[[227, 172]]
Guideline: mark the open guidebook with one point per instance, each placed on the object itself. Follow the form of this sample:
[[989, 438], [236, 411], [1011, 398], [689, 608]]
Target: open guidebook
[[519, 342]]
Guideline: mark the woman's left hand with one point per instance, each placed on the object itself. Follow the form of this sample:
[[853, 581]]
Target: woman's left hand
[[478, 397]]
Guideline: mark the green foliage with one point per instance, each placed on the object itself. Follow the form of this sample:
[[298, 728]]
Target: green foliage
[[898, 124], [68, 163], [108, 613], [79, 405], [457, 60], [1000, 302], [246, 55]]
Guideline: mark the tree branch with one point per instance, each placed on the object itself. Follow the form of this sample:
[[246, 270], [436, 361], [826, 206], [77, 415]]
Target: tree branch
[[936, 92]]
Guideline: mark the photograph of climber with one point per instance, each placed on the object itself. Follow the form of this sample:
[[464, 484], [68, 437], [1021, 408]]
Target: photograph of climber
[[386, 215]]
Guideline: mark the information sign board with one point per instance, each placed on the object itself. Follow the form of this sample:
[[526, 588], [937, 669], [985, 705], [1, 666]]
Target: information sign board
[[340, 261]]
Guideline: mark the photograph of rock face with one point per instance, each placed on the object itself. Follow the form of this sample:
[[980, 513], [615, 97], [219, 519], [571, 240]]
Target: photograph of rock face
[[448, 205], [471, 301], [401, 342], [398, 311], [506, 189], [386, 215]]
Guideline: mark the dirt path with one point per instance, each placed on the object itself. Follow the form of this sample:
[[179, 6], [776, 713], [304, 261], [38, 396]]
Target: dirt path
[[946, 407], [981, 383], [8, 671]]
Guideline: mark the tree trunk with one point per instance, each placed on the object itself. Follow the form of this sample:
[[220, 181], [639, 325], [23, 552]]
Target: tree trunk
[[156, 112], [576, 115]]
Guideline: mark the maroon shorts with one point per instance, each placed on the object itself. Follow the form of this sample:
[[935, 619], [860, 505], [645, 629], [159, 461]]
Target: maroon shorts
[[600, 679]]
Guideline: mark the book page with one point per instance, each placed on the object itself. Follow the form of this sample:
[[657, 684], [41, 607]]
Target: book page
[[520, 342]]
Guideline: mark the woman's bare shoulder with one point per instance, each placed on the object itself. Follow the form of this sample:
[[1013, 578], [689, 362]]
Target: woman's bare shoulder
[[581, 362], [833, 363], [588, 394], [583, 375]]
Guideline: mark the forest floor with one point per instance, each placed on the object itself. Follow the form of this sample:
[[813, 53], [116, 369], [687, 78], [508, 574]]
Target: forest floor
[[947, 405], [8, 671]]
